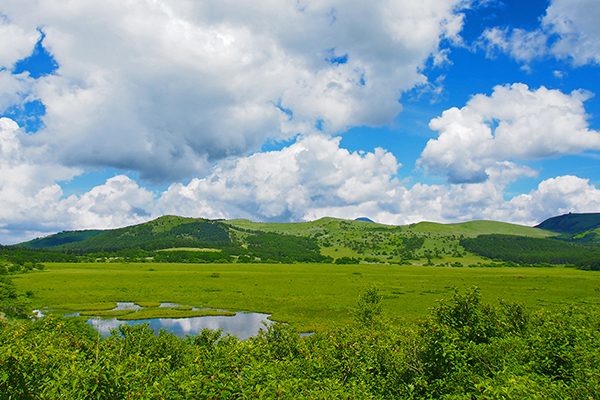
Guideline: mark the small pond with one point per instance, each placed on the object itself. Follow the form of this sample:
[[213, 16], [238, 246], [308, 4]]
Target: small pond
[[242, 325]]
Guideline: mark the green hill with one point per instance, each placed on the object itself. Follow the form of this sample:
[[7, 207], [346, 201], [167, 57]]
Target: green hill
[[172, 231], [475, 228], [62, 238], [165, 232], [324, 240], [583, 228]]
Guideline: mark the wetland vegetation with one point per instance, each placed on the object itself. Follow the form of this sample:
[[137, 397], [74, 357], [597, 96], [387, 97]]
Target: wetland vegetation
[[310, 296], [465, 348], [419, 311]]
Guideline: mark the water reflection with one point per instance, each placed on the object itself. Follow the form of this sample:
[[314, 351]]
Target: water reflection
[[242, 325], [126, 306]]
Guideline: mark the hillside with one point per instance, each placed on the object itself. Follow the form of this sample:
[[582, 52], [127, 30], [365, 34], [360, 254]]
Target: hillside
[[164, 232], [475, 228], [62, 238], [574, 227], [326, 239]]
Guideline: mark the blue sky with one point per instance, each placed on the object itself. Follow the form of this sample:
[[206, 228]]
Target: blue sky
[[400, 111]]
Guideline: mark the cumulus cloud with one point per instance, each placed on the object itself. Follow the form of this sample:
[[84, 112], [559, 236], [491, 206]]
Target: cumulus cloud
[[514, 123], [554, 196], [168, 88], [569, 30], [120, 201], [313, 173], [310, 179], [33, 203], [575, 24], [23, 172], [16, 43], [314, 178]]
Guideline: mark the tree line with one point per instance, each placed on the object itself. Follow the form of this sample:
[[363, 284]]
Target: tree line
[[527, 250]]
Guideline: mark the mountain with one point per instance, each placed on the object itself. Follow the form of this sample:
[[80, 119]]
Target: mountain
[[574, 227], [364, 219], [61, 238], [324, 240], [164, 232], [180, 232]]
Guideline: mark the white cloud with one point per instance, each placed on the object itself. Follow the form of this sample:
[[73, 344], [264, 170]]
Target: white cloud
[[569, 30], [514, 123], [168, 88], [521, 44], [27, 183], [120, 201], [16, 42], [307, 180], [314, 178], [23, 172], [575, 22], [553, 197], [313, 173], [32, 201]]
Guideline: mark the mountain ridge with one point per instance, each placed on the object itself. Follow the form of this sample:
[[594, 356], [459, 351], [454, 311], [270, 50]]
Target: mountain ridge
[[324, 240], [161, 226]]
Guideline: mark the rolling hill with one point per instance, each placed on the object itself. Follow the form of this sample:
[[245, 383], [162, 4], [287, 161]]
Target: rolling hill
[[574, 227], [330, 240], [164, 232]]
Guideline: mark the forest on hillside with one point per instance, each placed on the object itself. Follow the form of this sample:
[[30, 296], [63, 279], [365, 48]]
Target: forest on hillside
[[526, 250], [194, 240]]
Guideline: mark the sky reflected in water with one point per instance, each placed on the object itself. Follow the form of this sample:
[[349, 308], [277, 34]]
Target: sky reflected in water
[[242, 325]]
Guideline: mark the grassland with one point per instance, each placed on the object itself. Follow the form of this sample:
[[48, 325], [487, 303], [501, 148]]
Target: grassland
[[310, 296], [335, 225], [343, 238]]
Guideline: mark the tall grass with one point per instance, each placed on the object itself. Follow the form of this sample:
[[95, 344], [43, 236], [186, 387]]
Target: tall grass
[[310, 296]]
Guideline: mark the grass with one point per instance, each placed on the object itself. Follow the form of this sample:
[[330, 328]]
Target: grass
[[474, 228], [172, 313], [310, 296], [344, 238], [471, 228], [153, 311], [107, 313], [146, 304]]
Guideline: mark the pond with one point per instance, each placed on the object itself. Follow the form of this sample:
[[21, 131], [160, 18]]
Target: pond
[[242, 325]]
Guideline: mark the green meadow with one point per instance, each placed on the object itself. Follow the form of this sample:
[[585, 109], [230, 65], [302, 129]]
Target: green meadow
[[308, 296]]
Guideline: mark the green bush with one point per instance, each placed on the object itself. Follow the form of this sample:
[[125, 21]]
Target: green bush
[[466, 349]]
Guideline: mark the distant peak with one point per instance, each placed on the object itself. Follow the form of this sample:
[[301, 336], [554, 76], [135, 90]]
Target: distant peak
[[364, 219]]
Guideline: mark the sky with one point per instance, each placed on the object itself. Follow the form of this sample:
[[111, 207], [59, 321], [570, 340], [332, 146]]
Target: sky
[[113, 112]]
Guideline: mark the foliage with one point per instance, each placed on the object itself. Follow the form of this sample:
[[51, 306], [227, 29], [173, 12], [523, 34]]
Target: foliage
[[273, 247], [192, 257], [19, 256], [466, 349], [13, 303], [350, 260], [592, 264], [369, 308], [528, 250], [324, 240], [140, 243], [61, 238], [162, 233], [572, 224]]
